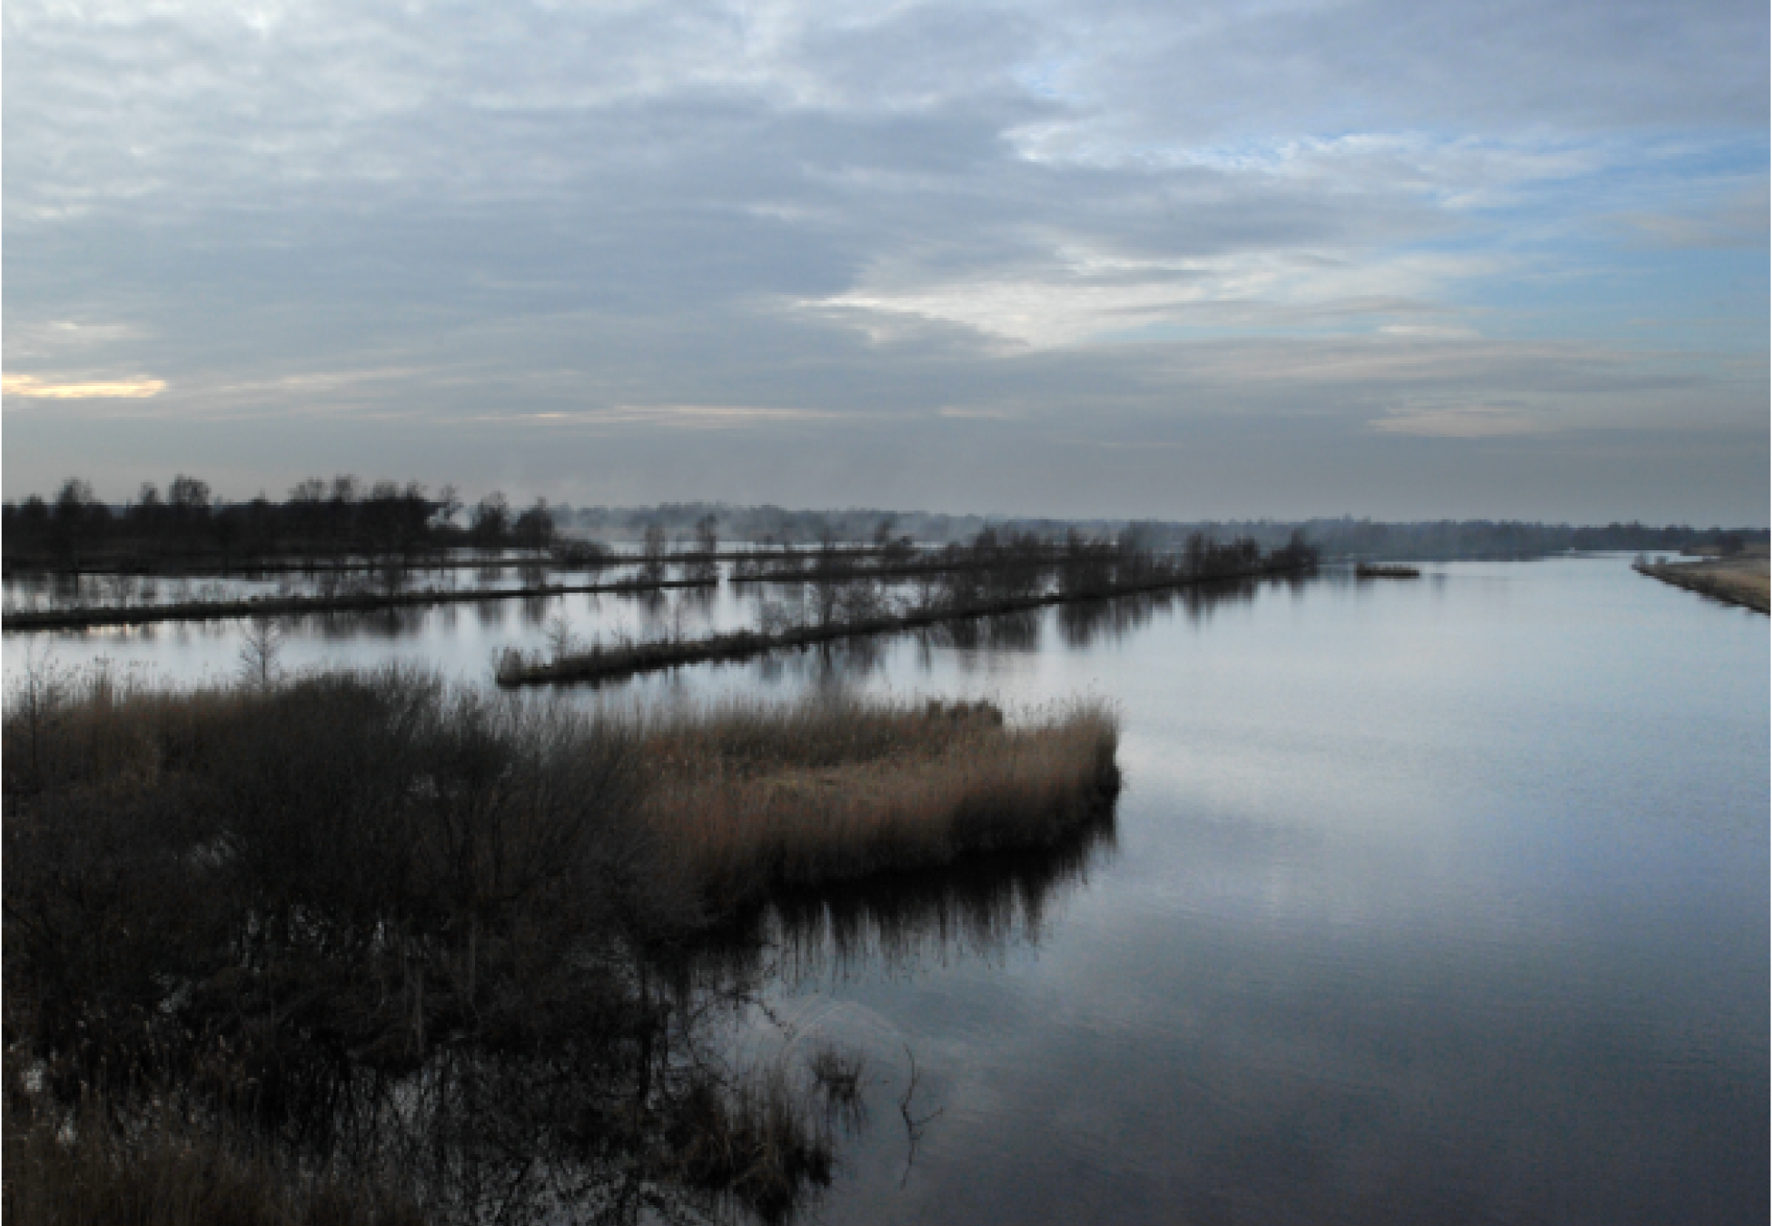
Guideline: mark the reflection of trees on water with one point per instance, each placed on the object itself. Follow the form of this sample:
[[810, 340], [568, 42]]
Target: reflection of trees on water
[[1086, 622], [627, 1112], [535, 610], [655, 613], [627, 1121], [1018, 631], [396, 623], [980, 905], [491, 613], [824, 665]]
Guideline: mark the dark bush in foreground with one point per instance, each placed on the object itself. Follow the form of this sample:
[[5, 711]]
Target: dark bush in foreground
[[382, 924]]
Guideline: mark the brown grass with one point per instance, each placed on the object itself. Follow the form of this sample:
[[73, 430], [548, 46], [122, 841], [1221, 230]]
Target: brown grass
[[1742, 580], [749, 799]]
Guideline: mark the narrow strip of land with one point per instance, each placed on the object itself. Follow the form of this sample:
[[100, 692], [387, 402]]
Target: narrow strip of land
[[177, 567], [1385, 570], [357, 602], [630, 658], [1741, 581], [561, 556]]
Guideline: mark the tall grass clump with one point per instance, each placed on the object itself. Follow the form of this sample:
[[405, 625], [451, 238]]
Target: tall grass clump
[[747, 798]]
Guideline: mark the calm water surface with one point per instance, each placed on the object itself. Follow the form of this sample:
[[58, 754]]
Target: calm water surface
[[1433, 901]]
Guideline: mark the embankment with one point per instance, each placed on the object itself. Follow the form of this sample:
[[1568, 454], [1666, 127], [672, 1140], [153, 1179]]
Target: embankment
[[359, 602]]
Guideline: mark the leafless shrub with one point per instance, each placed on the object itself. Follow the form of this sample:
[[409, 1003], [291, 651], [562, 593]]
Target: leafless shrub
[[261, 649], [561, 640]]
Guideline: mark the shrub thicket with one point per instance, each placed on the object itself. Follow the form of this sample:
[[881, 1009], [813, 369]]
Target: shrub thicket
[[390, 924]]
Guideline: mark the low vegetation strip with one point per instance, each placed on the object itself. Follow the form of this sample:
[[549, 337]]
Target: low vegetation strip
[[291, 606], [1741, 581], [1385, 570], [291, 563], [626, 659], [458, 913]]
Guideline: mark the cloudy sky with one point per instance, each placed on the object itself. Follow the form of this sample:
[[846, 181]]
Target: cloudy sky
[[1467, 258]]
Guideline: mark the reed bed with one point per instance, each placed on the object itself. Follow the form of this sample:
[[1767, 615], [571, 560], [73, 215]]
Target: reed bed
[[749, 800]]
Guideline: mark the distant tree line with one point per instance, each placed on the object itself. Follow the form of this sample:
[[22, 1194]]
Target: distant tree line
[[1334, 537], [1471, 538], [347, 516], [319, 519]]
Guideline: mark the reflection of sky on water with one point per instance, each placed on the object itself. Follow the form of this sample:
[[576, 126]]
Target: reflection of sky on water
[[1430, 901], [1433, 902]]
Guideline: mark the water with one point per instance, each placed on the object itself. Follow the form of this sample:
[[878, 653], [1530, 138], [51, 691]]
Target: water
[[1443, 900], [33, 591]]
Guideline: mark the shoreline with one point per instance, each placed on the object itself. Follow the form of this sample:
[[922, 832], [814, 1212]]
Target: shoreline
[[1741, 581]]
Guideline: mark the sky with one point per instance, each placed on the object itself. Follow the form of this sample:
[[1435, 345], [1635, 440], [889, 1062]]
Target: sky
[[1475, 258]]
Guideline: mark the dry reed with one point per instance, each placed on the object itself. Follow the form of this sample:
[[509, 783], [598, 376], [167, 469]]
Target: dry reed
[[749, 799]]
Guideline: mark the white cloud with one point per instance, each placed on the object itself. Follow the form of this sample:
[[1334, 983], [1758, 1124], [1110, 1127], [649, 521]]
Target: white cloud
[[31, 388]]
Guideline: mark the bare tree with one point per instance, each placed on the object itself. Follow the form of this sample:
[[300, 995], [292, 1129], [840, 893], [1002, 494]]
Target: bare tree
[[260, 647], [448, 507], [562, 642], [653, 549], [491, 520]]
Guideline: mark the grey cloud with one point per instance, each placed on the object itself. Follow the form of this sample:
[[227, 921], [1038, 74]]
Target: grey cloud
[[446, 214]]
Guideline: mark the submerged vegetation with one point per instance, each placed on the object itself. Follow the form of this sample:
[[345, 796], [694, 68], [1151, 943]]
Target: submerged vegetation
[[360, 931]]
